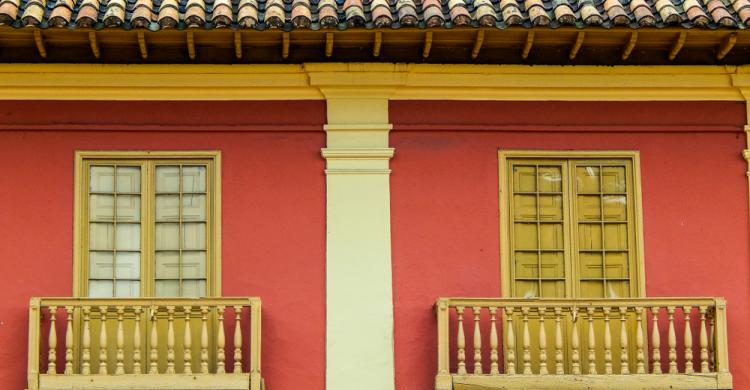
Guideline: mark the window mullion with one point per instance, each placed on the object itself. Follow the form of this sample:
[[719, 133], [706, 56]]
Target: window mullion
[[571, 227], [147, 259]]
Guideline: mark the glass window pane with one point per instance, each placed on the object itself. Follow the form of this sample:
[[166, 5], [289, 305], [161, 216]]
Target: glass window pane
[[589, 236], [194, 236], [591, 265], [524, 236], [168, 265], [194, 178], [589, 208], [618, 289], [553, 265], [101, 207], [168, 208], [526, 265], [524, 207], [551, 235], [592, 289], [167, 236], [128, 208], [613, 179], [616, 236], [127, 288], [587, 179], [102, 179], [128, 265], [194, 264], [527, 289], [100, 265], [550, 179], [194, 207], [550, 207], [168, 288], [553, 289], [100, 288], [101, 236], [128, 179], [615, 208], [128, 236], [167, 178], [194, 288], [617, 265], [524, 178]]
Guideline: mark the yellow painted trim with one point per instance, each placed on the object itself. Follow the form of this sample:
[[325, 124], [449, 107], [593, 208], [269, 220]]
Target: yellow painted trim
[[80, 213], [639, 280], [317, 81]]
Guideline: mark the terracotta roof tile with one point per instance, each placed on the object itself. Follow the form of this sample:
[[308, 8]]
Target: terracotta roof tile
[[616, 12], [222, 13], [537, 14], [589, 13], [511, 12], [322, 14]]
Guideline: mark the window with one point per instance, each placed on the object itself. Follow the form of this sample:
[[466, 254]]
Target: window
[[570, 224], [147, 224]]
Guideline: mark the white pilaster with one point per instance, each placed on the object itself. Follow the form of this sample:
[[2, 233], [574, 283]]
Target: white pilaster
[[359, 299]]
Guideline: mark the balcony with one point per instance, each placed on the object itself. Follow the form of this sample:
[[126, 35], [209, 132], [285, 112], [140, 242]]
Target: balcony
[[144, 343], [648, 343]]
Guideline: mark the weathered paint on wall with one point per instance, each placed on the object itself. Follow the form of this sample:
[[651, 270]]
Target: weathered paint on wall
[[273, 213], [445, 217]]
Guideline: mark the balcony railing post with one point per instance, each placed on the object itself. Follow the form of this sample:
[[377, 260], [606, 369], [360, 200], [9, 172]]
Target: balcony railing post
[[721, 352], [33, 358], [256, 382], [443, 380]]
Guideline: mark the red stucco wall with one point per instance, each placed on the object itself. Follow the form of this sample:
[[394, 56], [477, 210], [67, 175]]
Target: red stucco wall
[[445, 216], [273, 237]]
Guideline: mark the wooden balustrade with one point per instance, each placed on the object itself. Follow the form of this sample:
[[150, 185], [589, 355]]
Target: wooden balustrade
[[174, 335], [650, 341]]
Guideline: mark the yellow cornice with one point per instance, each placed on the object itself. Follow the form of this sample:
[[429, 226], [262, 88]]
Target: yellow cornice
[[315, 81]]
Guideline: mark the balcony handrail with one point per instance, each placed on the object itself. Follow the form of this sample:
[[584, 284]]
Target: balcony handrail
[[77, 337], [513, 342]]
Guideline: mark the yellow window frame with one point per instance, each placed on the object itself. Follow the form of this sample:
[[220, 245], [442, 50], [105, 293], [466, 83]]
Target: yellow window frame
[[572, 276], [147, 160]]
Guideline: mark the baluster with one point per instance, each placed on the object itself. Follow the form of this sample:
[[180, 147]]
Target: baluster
[[120, 367], [494, 369], [607, 342], [237, 340], [204, 339], [153, 367], [69, 341], [187, 353], [137, 340], [672, 342], [558, 342], [575, 358], [510, 345], [86, 342], [461, 341], [477, 341], [688, 340], [704, 341], [526, 342], [542, 344], [103, 341], [624, 366], [170, 340], [640, 355], [592, 342], [52, 353], [655, 341], [220, 356]]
